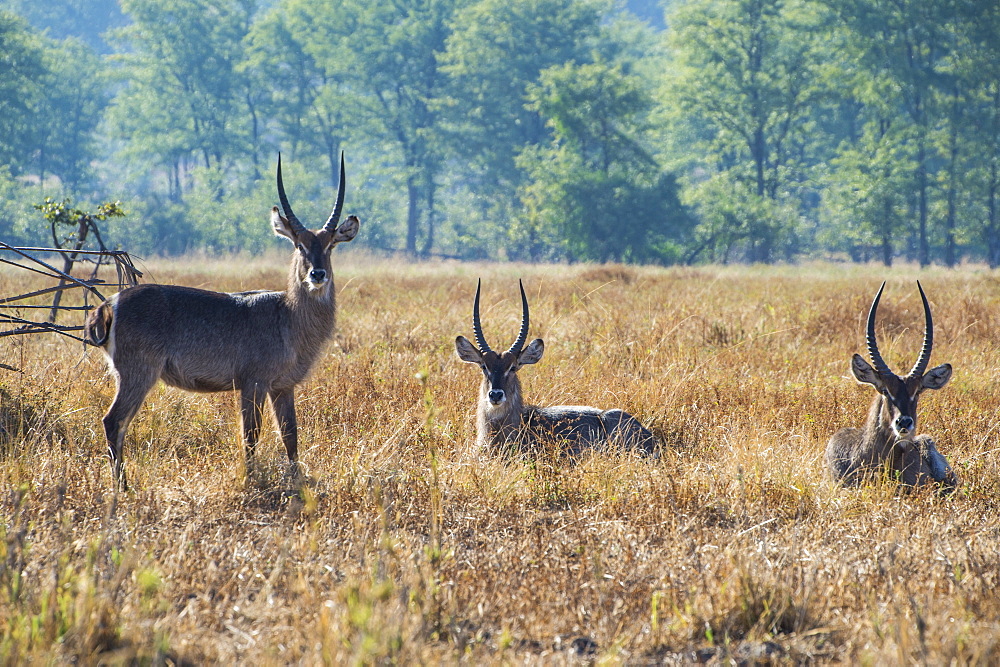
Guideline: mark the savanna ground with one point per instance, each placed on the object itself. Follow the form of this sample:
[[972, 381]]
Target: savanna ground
[[407, 545]]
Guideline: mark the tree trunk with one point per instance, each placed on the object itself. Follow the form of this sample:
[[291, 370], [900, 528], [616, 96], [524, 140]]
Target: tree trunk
[[924, 251], [887, 234], [412, 214], [68, 260], [992, 231], [950, 255], [429, 239]]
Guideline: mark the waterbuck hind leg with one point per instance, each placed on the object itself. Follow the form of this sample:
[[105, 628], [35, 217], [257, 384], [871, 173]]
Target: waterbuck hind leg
[[628, 433], [133, 385], [283, 402]]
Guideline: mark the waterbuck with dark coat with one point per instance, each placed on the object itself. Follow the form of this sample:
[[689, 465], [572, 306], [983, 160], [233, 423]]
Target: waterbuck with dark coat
[[504, 424], [259, 343], [887, 444]]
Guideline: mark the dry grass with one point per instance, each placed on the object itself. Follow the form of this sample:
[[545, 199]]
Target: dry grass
[[408, 546]]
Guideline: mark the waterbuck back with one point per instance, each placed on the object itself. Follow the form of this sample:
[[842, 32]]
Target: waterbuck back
[[504, 424], [887, 443], [259, 343]]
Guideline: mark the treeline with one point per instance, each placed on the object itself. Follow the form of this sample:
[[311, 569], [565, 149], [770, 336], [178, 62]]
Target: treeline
[[570, 130]]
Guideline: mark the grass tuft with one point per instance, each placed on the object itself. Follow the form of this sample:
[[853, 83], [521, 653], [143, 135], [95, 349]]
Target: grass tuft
[[397, 541]]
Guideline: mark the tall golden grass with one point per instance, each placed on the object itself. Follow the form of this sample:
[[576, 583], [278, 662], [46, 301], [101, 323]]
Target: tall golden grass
[[407, 545]]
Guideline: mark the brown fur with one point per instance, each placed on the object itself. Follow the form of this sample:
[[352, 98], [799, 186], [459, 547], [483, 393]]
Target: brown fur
[[512, 426], [261, 343], [517, 428], [887, 444], [854, 455]]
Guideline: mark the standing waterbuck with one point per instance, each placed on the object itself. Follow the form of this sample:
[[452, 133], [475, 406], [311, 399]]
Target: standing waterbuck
[[505, 424], [260, 343], [887, 443]]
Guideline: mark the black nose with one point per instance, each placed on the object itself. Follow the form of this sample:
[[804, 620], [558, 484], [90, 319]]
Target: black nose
[[904, 423], [496, 396], [317, 275]]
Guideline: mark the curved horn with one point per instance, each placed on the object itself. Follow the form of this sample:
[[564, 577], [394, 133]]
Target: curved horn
[[873, 352], [477, 327], [297, 226], [925, 351], [331, 223], [523, 334]]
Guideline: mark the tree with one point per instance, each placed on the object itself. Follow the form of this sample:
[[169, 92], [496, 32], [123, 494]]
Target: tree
[[183, 98], [984, 125], [866, 199], [22, 66], [497, 50], [84, 20], [81, 224], [744, 81], [304, 102], [385, 52], [70, 106], [971, 136], [595, 192], [905, 40]]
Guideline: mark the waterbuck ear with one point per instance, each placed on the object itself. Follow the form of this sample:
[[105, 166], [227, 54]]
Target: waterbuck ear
[[281, 225], [936, 377], [347, 230], [532, 354], [864, 373], [467, 351]]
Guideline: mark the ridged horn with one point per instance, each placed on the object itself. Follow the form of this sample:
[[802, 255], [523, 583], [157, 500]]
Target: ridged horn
[[880, 365], [331, 223], [925, 351], [286, 208], [523, 334], [477, 327]]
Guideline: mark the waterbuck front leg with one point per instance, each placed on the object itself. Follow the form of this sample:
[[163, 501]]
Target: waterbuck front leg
[[133, 383], [283, 402], [252, 398]]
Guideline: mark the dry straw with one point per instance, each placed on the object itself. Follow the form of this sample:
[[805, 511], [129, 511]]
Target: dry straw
[[407, 545]]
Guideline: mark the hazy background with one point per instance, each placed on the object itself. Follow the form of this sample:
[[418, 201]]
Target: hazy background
[[687, 131]]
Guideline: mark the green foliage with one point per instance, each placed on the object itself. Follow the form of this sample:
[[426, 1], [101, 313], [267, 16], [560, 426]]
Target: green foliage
[[735, 224], [519, 129], [72, 100], [21, 68], [63, 213], [745, 81], [87, 20], [595, 193], [183, 97], [866, 195], [297, 58], [17, 219], [496, 51]]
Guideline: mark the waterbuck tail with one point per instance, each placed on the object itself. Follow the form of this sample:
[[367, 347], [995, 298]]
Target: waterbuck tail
[[98, 326]]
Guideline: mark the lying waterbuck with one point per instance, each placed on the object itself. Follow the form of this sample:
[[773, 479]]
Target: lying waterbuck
[[504, 424], [260, 343], [887, 443]]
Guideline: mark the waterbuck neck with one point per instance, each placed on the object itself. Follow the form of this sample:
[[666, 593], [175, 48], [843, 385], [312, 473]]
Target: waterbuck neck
[[313, 310], [499, 424], [877, 437]]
